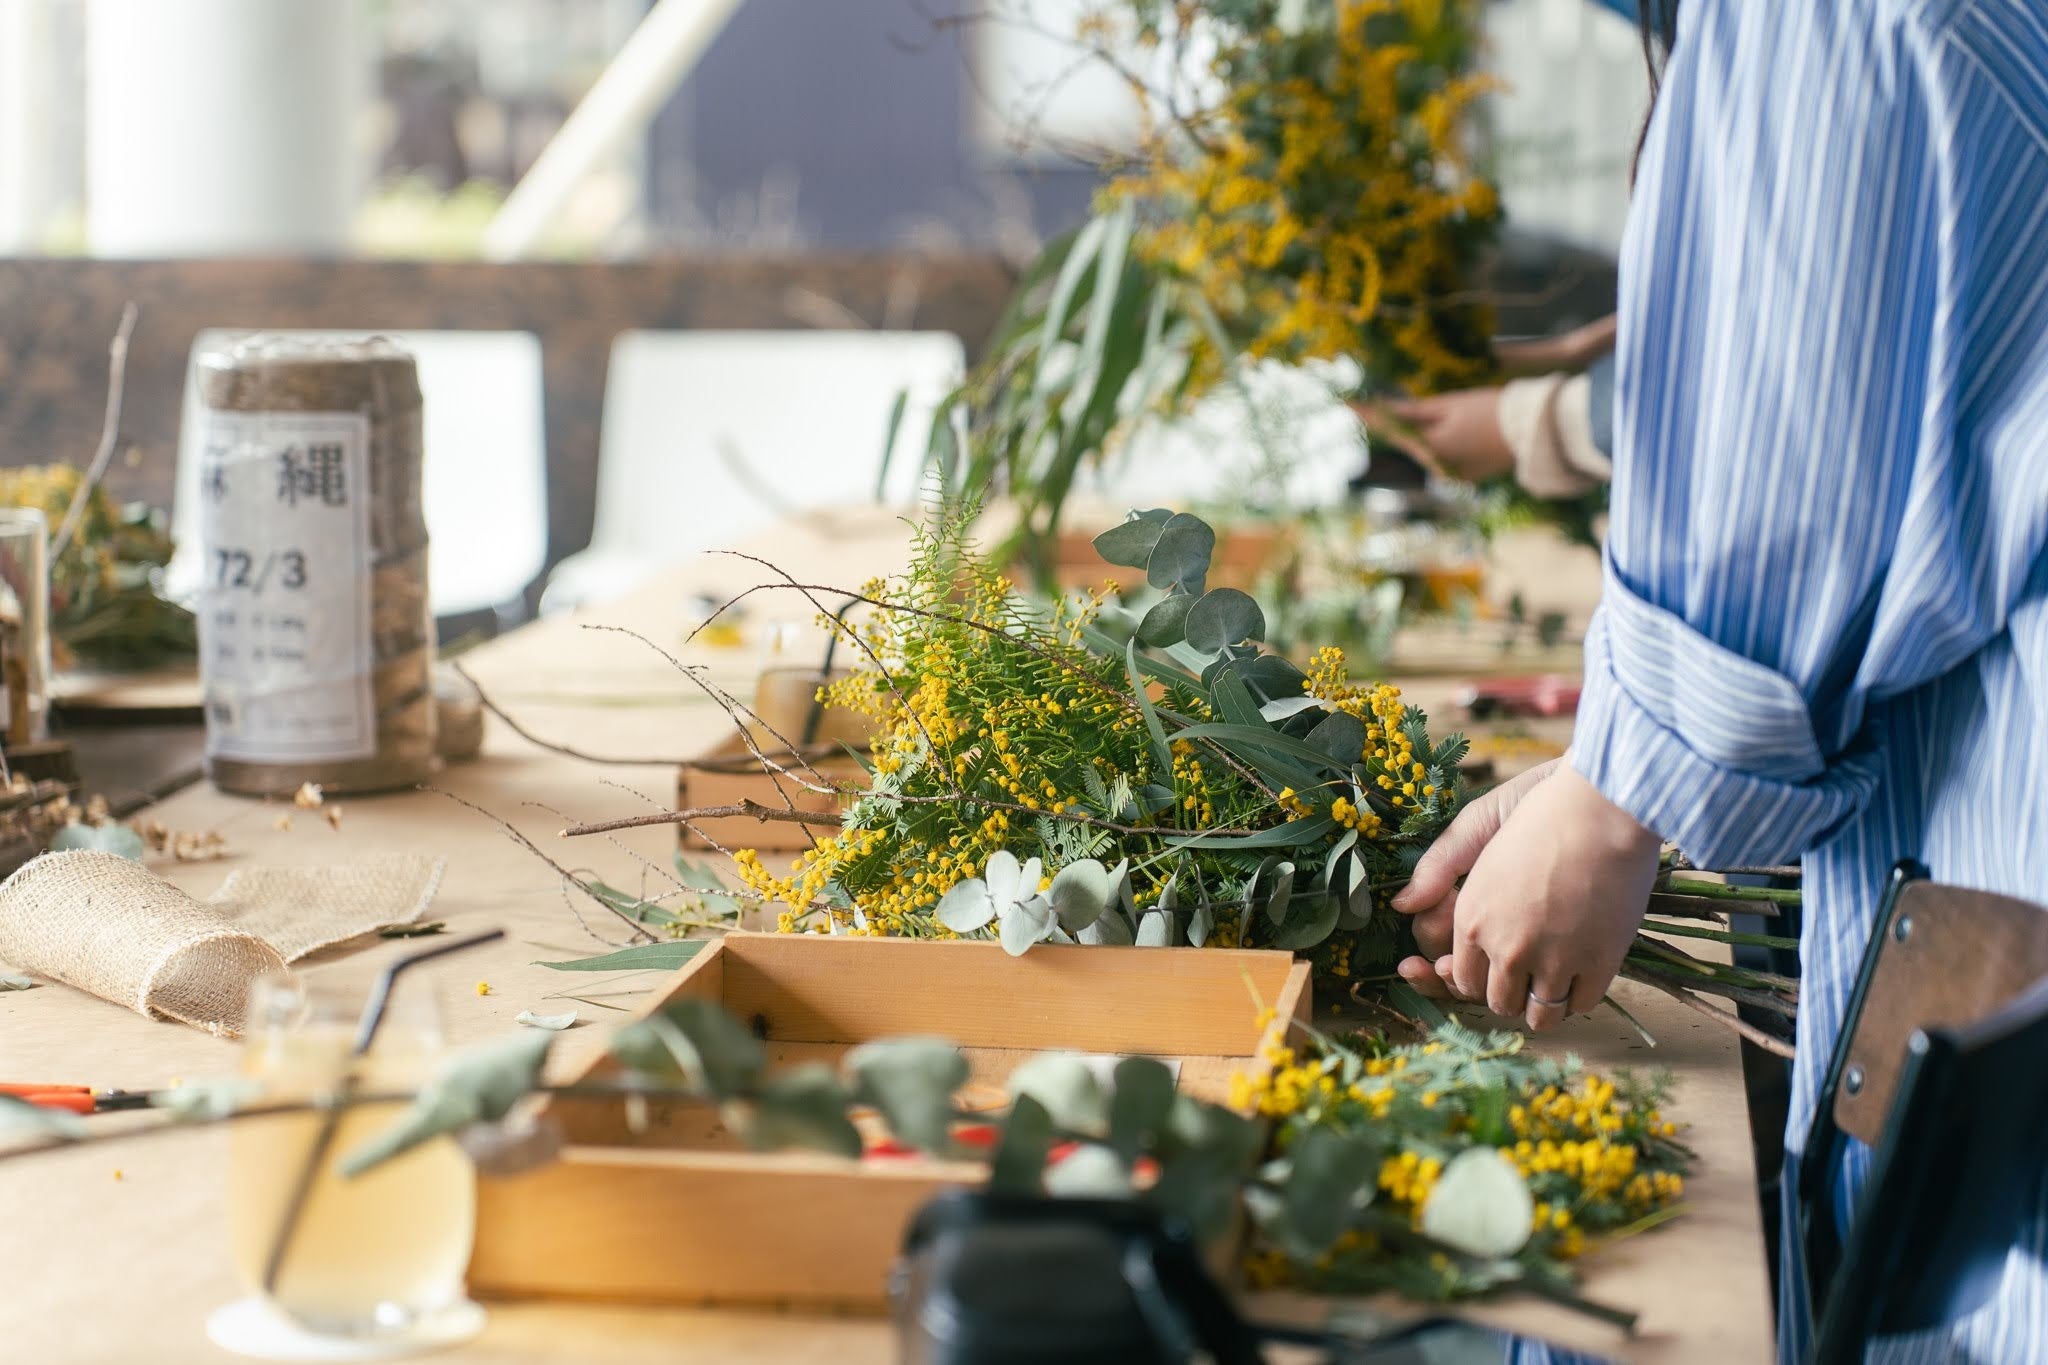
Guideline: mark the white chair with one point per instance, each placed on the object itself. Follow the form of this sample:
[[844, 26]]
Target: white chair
[[484, 471], [712, 437]]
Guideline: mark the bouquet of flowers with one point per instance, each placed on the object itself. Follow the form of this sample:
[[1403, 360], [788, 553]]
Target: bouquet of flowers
[[105, 607]]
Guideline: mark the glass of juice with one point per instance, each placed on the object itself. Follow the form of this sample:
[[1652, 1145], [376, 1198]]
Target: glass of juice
[[376, 1255]]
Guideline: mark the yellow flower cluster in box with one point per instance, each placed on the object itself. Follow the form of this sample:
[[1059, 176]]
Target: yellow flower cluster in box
[[1324, 204], [1598, 1156], [1000, 726]]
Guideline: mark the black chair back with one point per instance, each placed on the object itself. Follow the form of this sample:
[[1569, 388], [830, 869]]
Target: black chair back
[[1939, 1068]]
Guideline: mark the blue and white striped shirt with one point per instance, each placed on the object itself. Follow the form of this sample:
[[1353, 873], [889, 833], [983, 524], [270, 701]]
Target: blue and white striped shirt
[[1825, 624]]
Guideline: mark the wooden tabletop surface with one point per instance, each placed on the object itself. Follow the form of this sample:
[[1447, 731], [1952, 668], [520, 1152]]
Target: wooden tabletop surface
[[117, 1252]]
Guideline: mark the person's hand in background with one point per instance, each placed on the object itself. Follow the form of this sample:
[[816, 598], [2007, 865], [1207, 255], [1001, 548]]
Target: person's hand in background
[[1458, 433], [1573, 350]]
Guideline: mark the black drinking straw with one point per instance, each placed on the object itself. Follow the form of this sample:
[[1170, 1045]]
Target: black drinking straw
[[366, 1033]]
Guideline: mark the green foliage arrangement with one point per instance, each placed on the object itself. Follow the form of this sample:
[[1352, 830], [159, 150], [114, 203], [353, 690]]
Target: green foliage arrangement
[[1312, 199], [1050, 772], [1442, 1169], [1042, 774], [105, 608]]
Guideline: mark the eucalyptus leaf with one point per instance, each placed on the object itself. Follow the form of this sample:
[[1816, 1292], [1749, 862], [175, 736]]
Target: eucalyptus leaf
[[1080, 894], [1330, 1178], [1026, 924], [1139, 1104], [1068, 1088], [1166, 623], [1007, 878], [802, 1106], [1224, 617], [911, 1081], [1181, 557], [477, 1085], [1112, 928], [1232, 699], [695, 1042], [1162, 753], [20, 1119], [116, 839], [1303, 931], [1200, 925], [554, 1023], [1205, 1153], [1282, 892], [967, 907], [1130, 544], [1292, 834], [514, 1146], [1155, 930], [1090, 1171], [640, 958], [1019, 1161], [1285, 708], [1480, 1205], [1341, 736], [209, 1100], [13, 981], [1274, 677]]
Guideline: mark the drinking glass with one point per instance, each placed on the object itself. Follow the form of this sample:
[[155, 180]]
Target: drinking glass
[[25, 622], [370, 1256]]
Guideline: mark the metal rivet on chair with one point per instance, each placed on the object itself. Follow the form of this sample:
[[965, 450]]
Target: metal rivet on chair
[[1852, 1080], [1902, 928]]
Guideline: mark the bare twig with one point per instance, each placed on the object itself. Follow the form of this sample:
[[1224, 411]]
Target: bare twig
[[110, 433], [639, 930], [565, 750]]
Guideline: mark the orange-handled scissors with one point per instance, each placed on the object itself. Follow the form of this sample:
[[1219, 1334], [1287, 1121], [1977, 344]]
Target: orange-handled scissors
[[76, 1099]]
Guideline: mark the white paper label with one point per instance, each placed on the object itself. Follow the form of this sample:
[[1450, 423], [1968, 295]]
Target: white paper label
[[284, 620]]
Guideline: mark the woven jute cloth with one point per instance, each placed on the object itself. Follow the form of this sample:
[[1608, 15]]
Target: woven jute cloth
[[109, 925]]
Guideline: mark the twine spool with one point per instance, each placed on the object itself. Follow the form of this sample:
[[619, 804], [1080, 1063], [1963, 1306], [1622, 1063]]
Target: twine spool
[[360, 716]]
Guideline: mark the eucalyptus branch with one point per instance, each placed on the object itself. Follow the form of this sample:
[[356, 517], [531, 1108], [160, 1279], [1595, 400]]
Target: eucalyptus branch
[[1720, 891], [1719, 935], [1776, 1046]]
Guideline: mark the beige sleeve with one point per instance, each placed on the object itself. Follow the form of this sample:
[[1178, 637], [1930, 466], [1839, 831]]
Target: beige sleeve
[[1548, 424]]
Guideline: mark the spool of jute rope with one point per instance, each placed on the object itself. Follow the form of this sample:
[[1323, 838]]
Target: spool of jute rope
[[316, 634], [108, 925]]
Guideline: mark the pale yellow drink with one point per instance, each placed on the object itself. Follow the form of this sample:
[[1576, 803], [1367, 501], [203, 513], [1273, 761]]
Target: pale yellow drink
[[369, 1253]]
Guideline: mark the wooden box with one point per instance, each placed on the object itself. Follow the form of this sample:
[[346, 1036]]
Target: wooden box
[[681, 1213], [730, 774]]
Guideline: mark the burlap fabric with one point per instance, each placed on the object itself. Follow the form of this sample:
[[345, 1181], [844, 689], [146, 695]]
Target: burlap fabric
[[109, 925]]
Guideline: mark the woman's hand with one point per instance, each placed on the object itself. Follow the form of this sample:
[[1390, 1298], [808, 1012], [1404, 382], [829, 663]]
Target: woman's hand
[[1559, 879], [1460, 431], [1431, 895]]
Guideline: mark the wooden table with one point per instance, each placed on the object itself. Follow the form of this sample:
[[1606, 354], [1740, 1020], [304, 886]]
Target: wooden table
[[117, 1253]]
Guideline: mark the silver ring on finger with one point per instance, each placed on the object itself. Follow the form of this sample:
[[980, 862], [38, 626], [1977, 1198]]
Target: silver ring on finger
[[1536, 999]]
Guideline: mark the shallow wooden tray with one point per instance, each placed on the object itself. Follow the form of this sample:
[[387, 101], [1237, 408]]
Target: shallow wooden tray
[[681, 1213]]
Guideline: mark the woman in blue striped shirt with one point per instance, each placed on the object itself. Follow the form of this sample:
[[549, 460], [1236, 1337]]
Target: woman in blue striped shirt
[[1824, 631]]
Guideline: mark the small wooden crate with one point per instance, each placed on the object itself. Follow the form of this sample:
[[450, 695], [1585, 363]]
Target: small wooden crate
[[730, 774], [681, 1213]]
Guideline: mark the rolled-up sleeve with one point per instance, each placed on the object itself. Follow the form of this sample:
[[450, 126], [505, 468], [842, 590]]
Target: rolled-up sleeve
[[1818, 501]]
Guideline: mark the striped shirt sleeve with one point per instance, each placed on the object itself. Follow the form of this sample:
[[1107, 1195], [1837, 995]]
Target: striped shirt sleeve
[[1798, 525]]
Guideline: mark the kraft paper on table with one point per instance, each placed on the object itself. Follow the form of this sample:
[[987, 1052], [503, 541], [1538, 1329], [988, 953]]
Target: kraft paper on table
[[108, 925]]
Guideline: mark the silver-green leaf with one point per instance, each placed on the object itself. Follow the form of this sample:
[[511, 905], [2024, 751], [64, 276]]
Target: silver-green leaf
[[477, 1085]]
